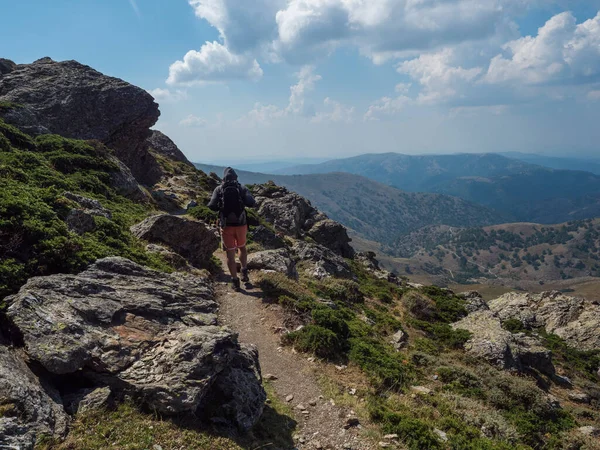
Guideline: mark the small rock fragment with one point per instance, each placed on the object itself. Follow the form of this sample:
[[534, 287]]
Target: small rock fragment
[[443, 436], [384, 444], [313, 402], [421, 390], [301, 407], [351, 422], [352, 391], [579, 397], [390, 436], [289, 398], [270, 377]]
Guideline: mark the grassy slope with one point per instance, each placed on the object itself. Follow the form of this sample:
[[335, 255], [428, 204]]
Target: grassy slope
[[467, 396]]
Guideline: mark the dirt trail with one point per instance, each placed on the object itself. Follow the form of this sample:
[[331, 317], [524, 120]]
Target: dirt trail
[[321, 425]]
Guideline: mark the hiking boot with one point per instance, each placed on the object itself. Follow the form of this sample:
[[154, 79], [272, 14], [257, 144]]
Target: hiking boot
[[245, 277], [236, 283]]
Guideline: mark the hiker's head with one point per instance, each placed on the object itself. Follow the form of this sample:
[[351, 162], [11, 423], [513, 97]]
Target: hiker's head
[[229, 174]]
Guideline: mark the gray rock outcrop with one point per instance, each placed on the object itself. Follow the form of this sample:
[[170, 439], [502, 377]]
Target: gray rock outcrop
[[76, 101], [294, 216], [27, 409], [332, 235], [320, 262], [277, 260], [573, 319], [190, 238], [266, 238], [163, 145], [81, 220], [502, 348], [145, 334]]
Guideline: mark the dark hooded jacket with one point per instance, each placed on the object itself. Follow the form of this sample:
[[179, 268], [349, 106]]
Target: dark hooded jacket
[[215, 203]]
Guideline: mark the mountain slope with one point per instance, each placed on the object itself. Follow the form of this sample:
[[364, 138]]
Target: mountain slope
[[374, 210], [516, 189], [554, 162]]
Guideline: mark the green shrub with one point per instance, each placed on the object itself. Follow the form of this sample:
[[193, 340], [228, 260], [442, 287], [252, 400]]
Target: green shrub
[[461, 381], [387, 367], [332, 320], [315, 339], [204, 213], [276, 285], [513, 325], [346, 291]]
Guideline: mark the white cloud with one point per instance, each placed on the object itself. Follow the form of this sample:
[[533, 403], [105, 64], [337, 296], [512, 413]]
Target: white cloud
[[387, 106], [562, 51], [242, 24], [336, 112], [193, 121], [389, 28], [167, 95], [439, 78], [476, 111], [306, 83], [214, 62], [403, 88], [593, 95]]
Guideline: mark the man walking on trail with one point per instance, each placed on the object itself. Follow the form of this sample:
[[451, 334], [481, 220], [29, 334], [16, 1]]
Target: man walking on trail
[[230, 199]]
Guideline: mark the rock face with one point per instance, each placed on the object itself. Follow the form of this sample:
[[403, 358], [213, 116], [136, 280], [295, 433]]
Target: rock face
[[332, 235], [294, 216], [502, 348], [163, 145], [81, 220], [575, 320], [320, 262], [191, 239], [267, 238], [74, 100], [277, 260], [146, 334], [27, 409]]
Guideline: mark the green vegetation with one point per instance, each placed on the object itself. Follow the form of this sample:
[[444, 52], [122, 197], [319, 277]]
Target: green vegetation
[[128, 428], [34, 238]]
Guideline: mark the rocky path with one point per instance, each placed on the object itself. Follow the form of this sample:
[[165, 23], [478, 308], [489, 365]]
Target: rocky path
[[320, 423]]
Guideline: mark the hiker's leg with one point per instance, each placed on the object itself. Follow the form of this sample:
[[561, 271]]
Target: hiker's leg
[[231, 264], [241, 243], [243, 257]]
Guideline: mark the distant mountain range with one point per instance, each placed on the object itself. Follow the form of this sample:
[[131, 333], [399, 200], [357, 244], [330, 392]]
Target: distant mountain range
[[515, 189], [554, 162], [374, 210]]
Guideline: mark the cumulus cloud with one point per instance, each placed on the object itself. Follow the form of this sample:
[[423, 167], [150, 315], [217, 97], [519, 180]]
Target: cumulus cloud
[[439, 78], [593, 95], [167, 95], [387, 106], [214, 62], [388, 28], [306, 83], [193, 121], [335, 112], [562, 51], [243, 25]]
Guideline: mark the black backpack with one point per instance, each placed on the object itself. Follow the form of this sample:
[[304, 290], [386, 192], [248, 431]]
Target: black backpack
[[232, 208]]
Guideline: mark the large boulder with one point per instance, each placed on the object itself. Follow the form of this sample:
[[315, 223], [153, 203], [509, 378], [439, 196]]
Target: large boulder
[[320, 262], [500, 347], [573, 319], [267, 238], [6, 66], [190, 238], [287, 211], [145, 334], [27, 409], [76, 101], [163, 145], [81, 219], [293, 215], [332, 235], [277, 260]]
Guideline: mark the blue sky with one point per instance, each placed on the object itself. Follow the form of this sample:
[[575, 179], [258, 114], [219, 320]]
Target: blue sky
[[277, 79]]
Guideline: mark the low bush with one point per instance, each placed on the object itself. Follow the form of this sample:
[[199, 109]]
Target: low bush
[[315, 339]]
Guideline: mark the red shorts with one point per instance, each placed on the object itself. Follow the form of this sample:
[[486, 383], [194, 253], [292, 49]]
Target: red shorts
[[234, 237]]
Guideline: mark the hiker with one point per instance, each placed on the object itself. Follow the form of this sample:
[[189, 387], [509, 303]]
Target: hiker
[[230, 200]]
